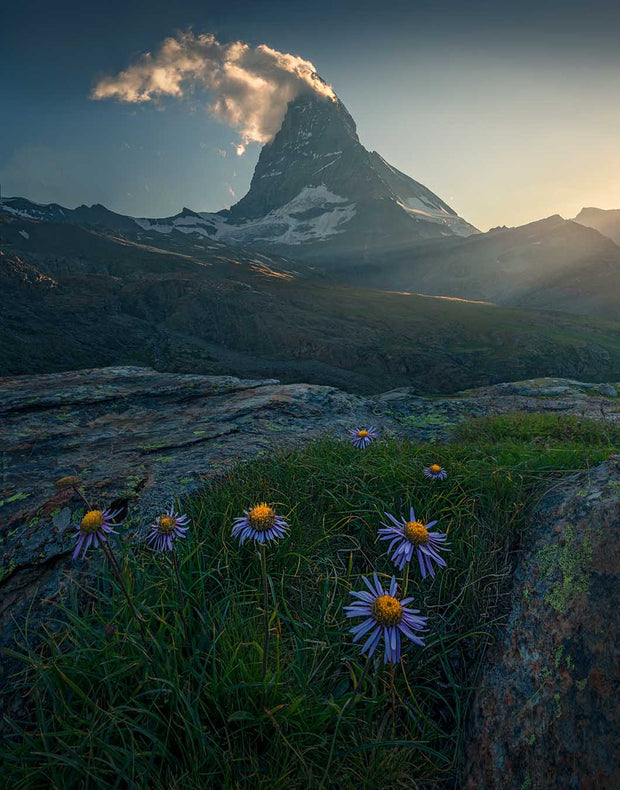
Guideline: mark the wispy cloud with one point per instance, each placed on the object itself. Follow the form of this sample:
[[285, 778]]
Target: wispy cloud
[[249, 87]]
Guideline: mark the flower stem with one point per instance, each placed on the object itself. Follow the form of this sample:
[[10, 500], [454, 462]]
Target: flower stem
[[107, 550], [405, 580], [393, 700], [80, 494], [175, 562], [263, 565], [340, 715]]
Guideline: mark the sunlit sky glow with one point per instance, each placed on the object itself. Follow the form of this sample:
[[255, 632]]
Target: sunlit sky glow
[[509, 112]]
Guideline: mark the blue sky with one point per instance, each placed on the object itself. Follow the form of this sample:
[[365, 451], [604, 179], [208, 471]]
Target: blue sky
[[508, 111]]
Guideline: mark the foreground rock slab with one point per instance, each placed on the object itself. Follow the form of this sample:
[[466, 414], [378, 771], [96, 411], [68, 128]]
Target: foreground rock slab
[[136, 438], [547, 717]]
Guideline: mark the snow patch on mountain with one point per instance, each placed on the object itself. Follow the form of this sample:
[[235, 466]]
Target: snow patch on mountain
[[421, 210], [196, 224], [417, 200], [315, 214], [29, 209]]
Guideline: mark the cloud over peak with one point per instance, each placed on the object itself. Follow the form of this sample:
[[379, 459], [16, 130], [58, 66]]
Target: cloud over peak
[[249, 87]]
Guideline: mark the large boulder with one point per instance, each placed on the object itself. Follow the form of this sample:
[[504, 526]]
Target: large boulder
[[547, 713]]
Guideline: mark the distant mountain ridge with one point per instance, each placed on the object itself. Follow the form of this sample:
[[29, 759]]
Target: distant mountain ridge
[[552, 263], [95, 215], [606, 221], [320, 199]]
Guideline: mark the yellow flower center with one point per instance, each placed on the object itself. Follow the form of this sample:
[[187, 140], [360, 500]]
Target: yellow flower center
[[166, 523], [435, 468], [362, 434], [262, 517], [416, 533], [92, 521], [387, 610]]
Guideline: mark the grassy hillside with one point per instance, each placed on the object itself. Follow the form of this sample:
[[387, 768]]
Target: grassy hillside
[[191, 710], [77, 298]]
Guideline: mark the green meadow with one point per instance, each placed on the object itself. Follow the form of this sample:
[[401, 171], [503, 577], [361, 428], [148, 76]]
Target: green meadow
[[189, 709]]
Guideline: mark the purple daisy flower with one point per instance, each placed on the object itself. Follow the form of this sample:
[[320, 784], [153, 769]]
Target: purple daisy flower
[[362, 437], [166, 529], [385, 616], [260, 523], [412, 536], [435, 472], [94, 529]]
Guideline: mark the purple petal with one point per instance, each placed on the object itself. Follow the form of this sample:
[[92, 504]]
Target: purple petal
[[371, 643]]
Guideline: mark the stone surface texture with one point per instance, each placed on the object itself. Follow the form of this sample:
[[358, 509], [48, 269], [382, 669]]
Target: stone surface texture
[[547, 715]]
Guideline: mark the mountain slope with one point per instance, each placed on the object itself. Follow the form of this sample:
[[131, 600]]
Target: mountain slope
[[82, 298], [347, 201], [552, 264], [605, 221]]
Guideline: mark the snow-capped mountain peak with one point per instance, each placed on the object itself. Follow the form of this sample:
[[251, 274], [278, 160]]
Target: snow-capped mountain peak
[[316, 194], [317, 152]]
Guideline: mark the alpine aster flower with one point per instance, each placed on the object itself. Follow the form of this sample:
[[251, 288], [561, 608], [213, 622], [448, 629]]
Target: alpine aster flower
[[260, 523], [94, 530], [435, 472], [166, 529], [384, 616], [409, 537], [362, 437]]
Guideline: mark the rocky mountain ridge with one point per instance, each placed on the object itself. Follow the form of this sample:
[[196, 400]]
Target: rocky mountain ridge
[[345, 197], [322, 205], [606, 221], [548, 264]]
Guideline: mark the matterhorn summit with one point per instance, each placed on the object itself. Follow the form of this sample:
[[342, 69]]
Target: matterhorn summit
[[318, 194]]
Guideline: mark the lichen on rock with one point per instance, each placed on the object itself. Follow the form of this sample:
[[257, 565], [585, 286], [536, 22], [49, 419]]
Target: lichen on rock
[[546, 713]]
